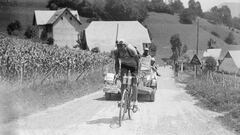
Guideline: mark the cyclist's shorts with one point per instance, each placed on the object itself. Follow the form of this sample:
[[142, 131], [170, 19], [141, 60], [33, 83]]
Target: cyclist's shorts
[[133, 70]]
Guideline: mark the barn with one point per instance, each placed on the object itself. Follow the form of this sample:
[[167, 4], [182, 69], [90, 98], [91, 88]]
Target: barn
[[63, 26], [103, 34], [231, 62]]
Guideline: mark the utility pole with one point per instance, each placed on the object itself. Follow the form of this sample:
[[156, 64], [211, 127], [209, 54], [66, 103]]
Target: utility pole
[[117, 34], [197, 35], [197, 42]]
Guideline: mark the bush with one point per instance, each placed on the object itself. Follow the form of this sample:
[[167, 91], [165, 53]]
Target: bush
[[14, 26], [95, 50], [31, 32], [230, 38], [215, 34], [210, 64], [187, 16], [50, 41]]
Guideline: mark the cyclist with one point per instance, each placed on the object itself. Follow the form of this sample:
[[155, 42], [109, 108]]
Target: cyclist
[[129, 61]]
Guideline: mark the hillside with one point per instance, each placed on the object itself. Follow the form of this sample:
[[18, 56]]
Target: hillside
[[23, 13], [234, 7], [163, 26], [221, 30]]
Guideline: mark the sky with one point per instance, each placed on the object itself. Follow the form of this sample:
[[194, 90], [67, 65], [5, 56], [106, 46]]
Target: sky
[[208, 4]]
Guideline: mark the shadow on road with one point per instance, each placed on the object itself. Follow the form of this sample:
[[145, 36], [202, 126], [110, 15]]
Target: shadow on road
[[113, 122], [141, 98], [113, 98]]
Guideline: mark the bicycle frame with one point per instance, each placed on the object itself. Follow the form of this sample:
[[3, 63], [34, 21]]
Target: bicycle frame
[[126, 96]]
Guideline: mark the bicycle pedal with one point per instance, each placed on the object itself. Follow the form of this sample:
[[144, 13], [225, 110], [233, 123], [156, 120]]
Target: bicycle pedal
[[135, 109]]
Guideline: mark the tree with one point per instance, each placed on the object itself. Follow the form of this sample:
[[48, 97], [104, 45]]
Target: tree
[[159, 6], [85, 9], [176, 45], [195, 7], [198, 9], [125, 10], [226, 15], [230, 38], [176, 6], [220, 15]]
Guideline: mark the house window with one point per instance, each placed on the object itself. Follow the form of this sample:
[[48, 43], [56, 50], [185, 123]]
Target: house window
[[61, 18], [70, 18]]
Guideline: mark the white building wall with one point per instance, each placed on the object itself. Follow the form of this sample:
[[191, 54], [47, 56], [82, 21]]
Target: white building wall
[[65, 31]]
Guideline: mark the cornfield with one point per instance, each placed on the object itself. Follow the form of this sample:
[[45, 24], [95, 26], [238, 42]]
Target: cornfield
[[26, 60]]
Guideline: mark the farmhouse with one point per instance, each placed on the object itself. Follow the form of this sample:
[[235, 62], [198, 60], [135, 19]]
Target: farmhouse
[[63, 26], [231, 62], [103, 34]]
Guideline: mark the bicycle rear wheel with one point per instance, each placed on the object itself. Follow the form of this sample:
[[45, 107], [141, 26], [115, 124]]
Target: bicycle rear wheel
[[123, 106]]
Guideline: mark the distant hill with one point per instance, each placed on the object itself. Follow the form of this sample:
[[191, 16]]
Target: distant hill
[[234, 7], [163, 26]]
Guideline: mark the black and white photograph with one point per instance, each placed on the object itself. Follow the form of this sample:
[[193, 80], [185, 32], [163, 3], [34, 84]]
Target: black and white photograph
[[119, 67]]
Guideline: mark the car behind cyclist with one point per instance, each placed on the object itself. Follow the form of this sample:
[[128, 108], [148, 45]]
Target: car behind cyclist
[[129, 61]]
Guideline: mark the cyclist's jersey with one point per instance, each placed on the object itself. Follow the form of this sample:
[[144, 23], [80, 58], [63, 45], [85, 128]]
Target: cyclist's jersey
[[128, 57]]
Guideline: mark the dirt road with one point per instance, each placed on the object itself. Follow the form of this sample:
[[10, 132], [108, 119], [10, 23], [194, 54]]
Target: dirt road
[[173, 113]]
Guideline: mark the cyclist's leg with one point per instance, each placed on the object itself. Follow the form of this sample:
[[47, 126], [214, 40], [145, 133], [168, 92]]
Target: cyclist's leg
[[124, 70], [135, 90]]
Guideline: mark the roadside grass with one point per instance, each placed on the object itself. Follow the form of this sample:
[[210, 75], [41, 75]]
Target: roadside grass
[[18, 101], [216, 97]]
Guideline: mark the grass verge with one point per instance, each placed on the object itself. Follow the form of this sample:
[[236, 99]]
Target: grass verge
[[216, 97], [18, 102]]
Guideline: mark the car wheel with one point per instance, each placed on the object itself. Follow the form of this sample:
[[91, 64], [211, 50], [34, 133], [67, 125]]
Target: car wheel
[[107, 96], [152, 97]]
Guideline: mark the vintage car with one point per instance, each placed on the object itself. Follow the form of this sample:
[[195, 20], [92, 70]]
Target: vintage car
[[147, 85], [110, 86]]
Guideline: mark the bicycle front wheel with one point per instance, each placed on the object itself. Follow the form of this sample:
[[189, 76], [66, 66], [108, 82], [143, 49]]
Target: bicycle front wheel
[[129, 105], [123, 106]]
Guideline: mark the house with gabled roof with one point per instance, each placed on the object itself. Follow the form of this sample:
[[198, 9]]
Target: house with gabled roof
[[231, 62], [62, 25], [103, 34]]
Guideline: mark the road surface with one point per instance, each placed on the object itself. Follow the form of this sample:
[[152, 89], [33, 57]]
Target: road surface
[[173, 113]]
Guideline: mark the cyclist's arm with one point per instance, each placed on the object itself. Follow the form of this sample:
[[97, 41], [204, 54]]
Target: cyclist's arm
[[116, 64]]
